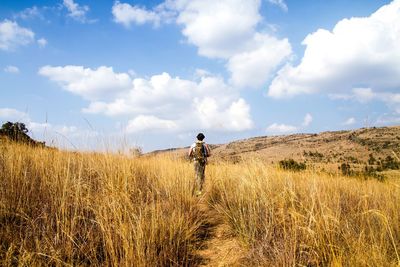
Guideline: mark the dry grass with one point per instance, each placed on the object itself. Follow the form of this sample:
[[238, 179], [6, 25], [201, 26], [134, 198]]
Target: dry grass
[[62, 208], [309, 218]]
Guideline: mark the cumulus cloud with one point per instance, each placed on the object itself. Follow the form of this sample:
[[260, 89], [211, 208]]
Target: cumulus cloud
[[218, 28], [127, 14], [208, 100], [251, 56], [252, 68], [276, 128], [76, 11], [11, 69], [12, 35], [211, 115], [279, 3], [225, 29], [350, 121], [92, 84], [358, 52], [149, 122]]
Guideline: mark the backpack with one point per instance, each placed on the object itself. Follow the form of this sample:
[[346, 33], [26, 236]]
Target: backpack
[[200, 152]]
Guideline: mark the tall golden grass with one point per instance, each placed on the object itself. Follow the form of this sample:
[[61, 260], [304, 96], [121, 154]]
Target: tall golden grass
[[309, 218], [63, 208]]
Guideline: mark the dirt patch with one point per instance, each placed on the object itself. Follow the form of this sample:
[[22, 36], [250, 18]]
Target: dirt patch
[[219, 247]]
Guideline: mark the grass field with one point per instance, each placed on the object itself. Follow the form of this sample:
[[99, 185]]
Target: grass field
[[69, 209]]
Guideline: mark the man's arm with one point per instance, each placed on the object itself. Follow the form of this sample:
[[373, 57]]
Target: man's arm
[[190, 152]]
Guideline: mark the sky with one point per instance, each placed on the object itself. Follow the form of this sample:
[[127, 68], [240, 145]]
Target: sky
[[113, 75]]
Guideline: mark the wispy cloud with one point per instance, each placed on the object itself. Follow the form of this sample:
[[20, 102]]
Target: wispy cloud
[[29, 13], [42, 42], [281, 128], [350, 121], [76, 11], [307, 120], [11, 69], [276, 128], [279, 3], [12, 35]]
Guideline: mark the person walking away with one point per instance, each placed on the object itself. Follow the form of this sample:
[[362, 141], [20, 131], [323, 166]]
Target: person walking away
[[199, 152]]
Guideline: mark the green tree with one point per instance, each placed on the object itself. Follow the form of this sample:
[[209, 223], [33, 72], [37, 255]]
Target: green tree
[[17, 131]]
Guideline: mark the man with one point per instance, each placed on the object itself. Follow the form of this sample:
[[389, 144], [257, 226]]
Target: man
[[199, 152]]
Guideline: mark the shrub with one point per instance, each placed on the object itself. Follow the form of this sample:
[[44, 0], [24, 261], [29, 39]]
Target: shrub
[[291, 164], [346, 169]]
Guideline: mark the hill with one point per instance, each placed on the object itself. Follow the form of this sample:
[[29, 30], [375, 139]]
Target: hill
[[373, 146]]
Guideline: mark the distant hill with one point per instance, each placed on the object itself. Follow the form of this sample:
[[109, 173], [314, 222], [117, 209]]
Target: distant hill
[[361, 146]]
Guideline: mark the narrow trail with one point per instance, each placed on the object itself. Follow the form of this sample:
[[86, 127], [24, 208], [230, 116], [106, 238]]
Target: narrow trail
[[219, 247]]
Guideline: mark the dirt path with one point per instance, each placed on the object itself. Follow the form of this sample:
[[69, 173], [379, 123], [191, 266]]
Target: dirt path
[[220, 248]]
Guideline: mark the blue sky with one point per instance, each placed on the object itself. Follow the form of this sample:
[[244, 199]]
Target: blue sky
[[117, 74]]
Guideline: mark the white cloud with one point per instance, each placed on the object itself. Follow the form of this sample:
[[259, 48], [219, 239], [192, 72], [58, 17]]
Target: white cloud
[[236, 117], [276, 128], [11, 69], [126, 15], [207, 100], [42, 42], [92, 84], [227, 29], [279, 3], [224, 29], [253, 68], [29, 13], [364, 95], [307, 120], [76, 11], [358, 52], [218, 28], [251, 56], [12, 35], [149, 122], [390, 99], [208, 103], [350, 121], [13, 115], [387, 119]]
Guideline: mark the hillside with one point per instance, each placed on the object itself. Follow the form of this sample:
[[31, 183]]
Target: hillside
[[325, 147], [357, 147]]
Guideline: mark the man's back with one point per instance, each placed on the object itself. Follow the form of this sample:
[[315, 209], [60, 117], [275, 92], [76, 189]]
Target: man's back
[[199, 152]]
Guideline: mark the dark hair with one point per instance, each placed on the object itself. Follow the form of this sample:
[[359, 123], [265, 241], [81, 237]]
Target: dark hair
[[200, 137]]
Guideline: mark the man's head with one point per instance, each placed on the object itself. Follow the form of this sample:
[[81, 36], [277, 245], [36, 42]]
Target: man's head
[[200, 137]]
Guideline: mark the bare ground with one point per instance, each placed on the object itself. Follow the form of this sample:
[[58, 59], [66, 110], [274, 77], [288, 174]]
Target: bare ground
[[220, 247]]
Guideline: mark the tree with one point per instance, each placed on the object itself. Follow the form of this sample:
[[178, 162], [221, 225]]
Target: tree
[[17, 131]]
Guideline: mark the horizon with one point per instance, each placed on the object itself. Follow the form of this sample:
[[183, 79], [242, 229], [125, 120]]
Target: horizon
[[152, 74]]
